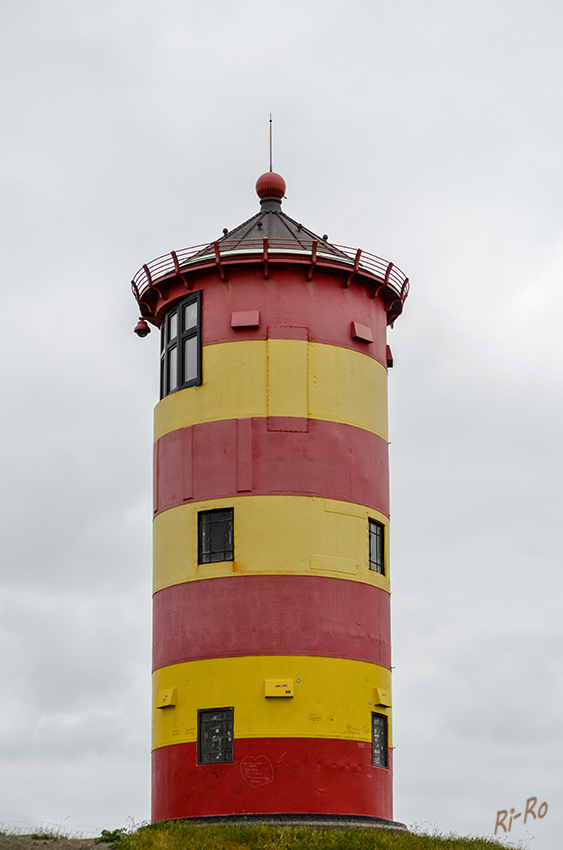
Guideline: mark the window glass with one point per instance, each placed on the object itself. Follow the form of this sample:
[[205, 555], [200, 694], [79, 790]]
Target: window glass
[[172, 369], [379, 740], [215, 536], [190, 316], [190, 359], [172, 326], [376, 547], [215, 736], [181, 345]]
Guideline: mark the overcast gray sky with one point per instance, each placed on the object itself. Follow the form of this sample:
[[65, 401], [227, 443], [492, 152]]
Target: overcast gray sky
[[430, 133]]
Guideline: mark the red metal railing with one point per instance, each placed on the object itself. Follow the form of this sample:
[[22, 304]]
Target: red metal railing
[[314, 252]]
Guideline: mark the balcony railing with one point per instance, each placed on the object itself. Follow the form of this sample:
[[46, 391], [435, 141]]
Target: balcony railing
[[315, 252]]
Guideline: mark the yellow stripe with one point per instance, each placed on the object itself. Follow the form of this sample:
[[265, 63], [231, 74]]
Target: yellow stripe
[[281, 378], [280, 535], [331, 697]]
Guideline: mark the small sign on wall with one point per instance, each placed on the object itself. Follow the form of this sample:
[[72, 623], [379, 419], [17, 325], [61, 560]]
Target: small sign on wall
[[165, 699], [278, 688]]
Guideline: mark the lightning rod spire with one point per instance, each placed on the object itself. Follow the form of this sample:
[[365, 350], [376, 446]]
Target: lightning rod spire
[[271, 168]]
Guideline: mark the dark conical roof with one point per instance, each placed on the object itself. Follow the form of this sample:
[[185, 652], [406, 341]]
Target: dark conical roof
[[273, 224]]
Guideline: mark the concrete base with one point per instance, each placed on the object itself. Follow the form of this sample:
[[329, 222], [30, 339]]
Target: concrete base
[[317, 821]]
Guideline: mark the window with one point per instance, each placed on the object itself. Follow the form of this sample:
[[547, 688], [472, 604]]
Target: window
[[215, 735], [215, 536], [180, 346], [379, 740], [377, 547]]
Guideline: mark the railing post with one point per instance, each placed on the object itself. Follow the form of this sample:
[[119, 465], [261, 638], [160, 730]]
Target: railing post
[[405, 289], [136, 292], [354, 270], [313, 259], [218, 261], [178, 270]]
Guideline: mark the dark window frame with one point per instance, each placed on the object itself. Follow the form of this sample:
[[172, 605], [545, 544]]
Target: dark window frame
[[379, 749], [172, 347], [205, 748], [376, 533], [208, 552]]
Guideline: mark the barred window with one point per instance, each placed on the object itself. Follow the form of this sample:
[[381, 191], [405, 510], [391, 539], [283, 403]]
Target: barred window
[[379, 740], [215, 536], [215, 735], [377, 547], [180, 346]]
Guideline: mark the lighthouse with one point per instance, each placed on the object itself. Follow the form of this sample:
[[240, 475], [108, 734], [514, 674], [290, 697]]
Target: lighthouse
[[271, 629]]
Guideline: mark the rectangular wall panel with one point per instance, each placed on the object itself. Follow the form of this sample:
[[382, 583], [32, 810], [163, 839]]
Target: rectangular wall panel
[[287, 378], [173, 470]]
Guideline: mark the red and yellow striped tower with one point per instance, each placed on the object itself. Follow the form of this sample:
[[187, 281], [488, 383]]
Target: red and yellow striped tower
[[272, 683]]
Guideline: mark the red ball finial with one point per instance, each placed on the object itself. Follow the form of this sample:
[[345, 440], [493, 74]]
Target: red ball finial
[[270, 185]]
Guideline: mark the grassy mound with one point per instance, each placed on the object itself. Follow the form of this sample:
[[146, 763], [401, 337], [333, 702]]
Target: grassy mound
[[180, 835]]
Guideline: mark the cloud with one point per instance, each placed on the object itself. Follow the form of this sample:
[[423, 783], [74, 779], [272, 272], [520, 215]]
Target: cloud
[[429, 135]]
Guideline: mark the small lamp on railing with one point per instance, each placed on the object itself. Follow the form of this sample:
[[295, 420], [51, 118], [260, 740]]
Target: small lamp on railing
[[141, 328]]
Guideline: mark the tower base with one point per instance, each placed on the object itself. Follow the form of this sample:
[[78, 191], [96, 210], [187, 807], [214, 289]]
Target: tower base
[[315, 820]]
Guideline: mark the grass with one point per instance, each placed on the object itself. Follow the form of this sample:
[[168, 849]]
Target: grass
[[112, 836], [53, 832], [178, 835]]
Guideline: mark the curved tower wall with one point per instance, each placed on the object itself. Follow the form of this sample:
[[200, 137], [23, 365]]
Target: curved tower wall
[[288, 430]]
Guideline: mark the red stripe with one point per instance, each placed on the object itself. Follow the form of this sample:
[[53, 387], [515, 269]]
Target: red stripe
[[272, 776], [329, 460], [271, 615], [322, 306]]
